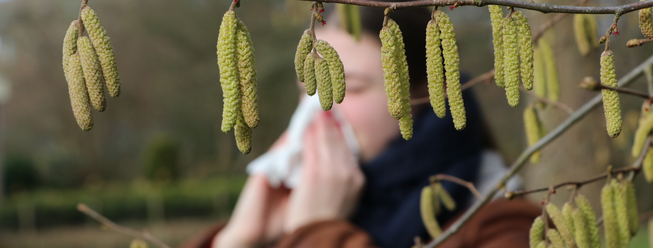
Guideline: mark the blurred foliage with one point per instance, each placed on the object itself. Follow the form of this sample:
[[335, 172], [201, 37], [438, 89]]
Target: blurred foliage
[[20, 174], [161, 159]]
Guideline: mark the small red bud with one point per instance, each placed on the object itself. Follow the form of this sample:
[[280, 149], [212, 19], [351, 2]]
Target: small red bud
[[452, 7], [321, 10], [543, 203], [615, 33], [553, 192], [323, 23]]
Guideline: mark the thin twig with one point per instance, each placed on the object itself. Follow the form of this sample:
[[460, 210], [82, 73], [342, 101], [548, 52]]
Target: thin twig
[[637, 42], [118, 228], [525, 155], [628, 91], [559, 105], [550, 23], [469, 185], [541, 7]]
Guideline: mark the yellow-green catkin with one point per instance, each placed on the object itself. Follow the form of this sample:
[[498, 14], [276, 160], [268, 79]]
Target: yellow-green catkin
[[336, 69], [552, 84], [350, 19], [435, 69], [445, 198], [566, 215], [591, 29], [427, 203], [247, 75], [537, 232], [631, 201], [324, 88], [644, 128], [511, 61], [70, 43], [406, 124], [137, 243], [391, 73], [532, 127], [525, 49], [539, 75], [243, 134], [610, 225], [645, 23], [404, 78], [310, 82], [451, 67], [582, 40], [561, 225], [647, 165], [621, 209], [227, 62], [611, 105], [496, 17], [92, 73], [303, 48], [541, 245], [581, 229], [102, 45], [555, 238], [78, 93], [590, 218]]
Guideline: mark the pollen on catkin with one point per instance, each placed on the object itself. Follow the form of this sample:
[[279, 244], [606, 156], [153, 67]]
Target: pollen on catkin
[[552, 84], [435, 69], [452, 73], [645, 23], [247, 75], [555, 238], [610, 225], [78, 93], [243, 134], [611, 105], [590, 218], [581, 230], [539, 75], [70, 43], [324, 88], [92, 73], [391, 73], [582, 40], [561, 225], [511, 61], [102, 45], [336, 69], [525, 49], [537, 232], [496, 17], [621, 209], [532, 127], [404, 78], [303, 48], [406, 125], [227, 62], [310, 82], [631, 203], [427, 203]]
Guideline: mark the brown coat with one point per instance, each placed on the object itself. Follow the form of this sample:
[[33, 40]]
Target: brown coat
[[500, 224]]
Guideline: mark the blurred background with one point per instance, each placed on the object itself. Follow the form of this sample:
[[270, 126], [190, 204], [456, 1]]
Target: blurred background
[[156, 158]]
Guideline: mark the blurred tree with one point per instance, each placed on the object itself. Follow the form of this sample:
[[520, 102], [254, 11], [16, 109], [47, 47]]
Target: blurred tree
[[161, 159], [20, 174]]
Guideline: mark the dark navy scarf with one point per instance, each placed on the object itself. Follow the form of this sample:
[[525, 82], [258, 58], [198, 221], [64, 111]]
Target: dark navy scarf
[[389, 207]]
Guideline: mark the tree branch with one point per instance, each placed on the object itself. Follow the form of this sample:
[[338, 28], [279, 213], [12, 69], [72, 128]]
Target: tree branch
[[118, 228], [521, 160], [541, 7], [469, 185], [559, 105]]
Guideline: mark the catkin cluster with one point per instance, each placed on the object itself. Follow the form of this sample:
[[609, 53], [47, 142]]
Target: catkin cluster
[[619, 213], [430, 200], [534, 130], [645, 23], [89, 63], [546, 73], [611, 105], [238, 78], [585, 32]]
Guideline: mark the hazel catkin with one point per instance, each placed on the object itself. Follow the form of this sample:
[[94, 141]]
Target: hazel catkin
[[243, 134], [621, 209], [561, 225], [427, 203], [406, 125], [247, 75], [102, 45], [323, 78], [496, 17], [552, 84], [435, 69], [643, 130], [582, 40], [539, 75], [525, 49], [610, 225], [631, 204], [581, 229], [336, 69], [445, 198], [585, 207], [78, 93], [611, 105], [391, 73], [511, 61], [310, 82], [303, 48], [645, 23], [567, 215], [452, 73], [227, 63], [92, 73], [536, 232], [532, 126], [590, 30], [555, 238], [70, 43]]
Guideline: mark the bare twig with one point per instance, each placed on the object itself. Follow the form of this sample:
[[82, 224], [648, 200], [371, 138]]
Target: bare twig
[[118, 228], [469, 185], [628, 91], [637, 42], [559, 105]]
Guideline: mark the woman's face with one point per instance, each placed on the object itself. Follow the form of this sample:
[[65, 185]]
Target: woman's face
[[365, 104]]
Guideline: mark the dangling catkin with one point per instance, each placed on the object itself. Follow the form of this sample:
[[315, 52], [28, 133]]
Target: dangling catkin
[[552, 84], [511, 61], [555, 238], [590, 219], [582, 40], [537, 232], [227, 62], [303, 48], [645, 23], [611, 105], [644, 128], [648, 165], [324, 89], [92, 73], [391, 73], [243, 134], [496, 17], [561, 225], [350, 19], [532, 127], [566, 215], [610, 225], [539, 75], [427, 203], [590, 30], [451, 66], [525, 49], [70, 43], [336, 69], [247, 75], [631, 202], [581, 229], [102, 45], [310, 83], [621, 209], [541, 245], [406, 124], [445, 198], [78, 93], [435, 69]]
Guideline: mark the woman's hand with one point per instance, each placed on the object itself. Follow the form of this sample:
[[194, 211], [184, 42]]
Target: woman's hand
[[331, 179]]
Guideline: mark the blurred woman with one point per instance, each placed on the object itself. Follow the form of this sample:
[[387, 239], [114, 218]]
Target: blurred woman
[[374, 201]]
